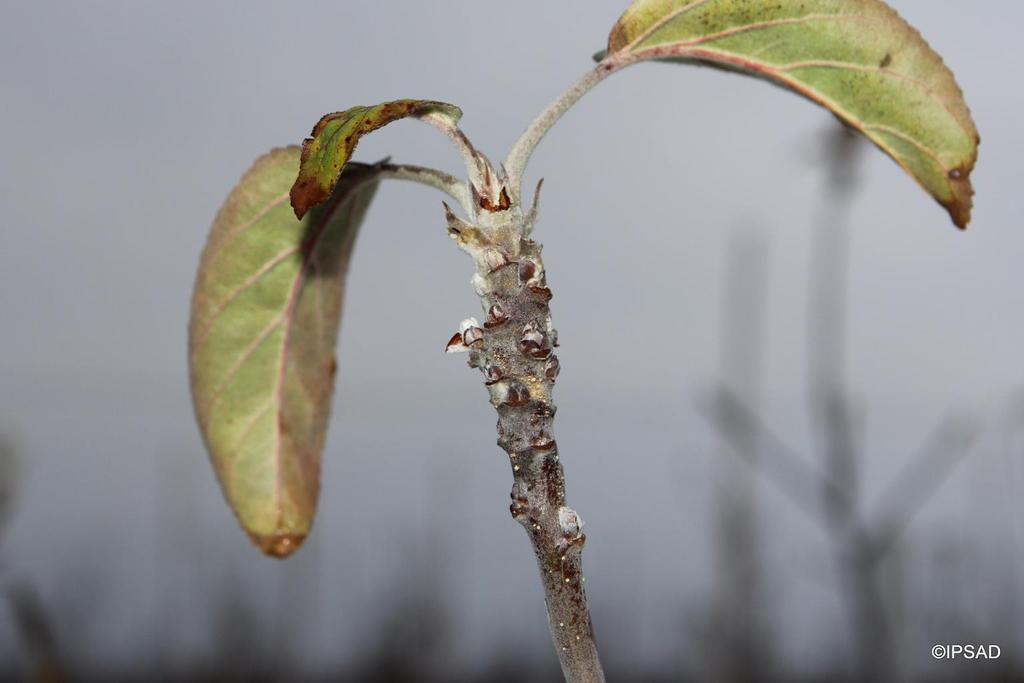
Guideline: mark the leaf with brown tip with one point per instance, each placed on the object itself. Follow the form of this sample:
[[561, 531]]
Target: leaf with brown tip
[[334, 137], [264, 324], [857, 58]]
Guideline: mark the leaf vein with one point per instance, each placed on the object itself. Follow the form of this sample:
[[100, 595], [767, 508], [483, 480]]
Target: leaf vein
[[835, 64], [310, 248], [231, 236], [241, 289], [792, 82], [795, 84], [768, 23], [927, 151], [236, 449], [664, 20], [242, 359]]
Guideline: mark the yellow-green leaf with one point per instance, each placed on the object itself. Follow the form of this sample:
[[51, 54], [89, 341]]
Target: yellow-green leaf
[[264, 322], [858, 58], [334, 138]]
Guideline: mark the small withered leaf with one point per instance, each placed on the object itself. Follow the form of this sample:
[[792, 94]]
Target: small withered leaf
[[334, 138]]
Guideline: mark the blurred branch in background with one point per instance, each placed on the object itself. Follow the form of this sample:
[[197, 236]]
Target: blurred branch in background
[[35, 630], [414, 639], [737, 636], [37, 634], [9, 482], [242, 649], [838, 431], [1011, 466], [832, 496], [861, 545], [950, 442]]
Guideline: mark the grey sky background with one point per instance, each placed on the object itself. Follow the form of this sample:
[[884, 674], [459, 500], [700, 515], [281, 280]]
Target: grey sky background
[[125, 124]]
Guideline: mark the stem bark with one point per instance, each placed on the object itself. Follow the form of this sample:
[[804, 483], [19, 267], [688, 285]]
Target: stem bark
[[514, 349]]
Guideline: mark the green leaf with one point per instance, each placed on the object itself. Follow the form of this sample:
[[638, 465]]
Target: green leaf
[[334, 138], [858, 58], [264, 322]]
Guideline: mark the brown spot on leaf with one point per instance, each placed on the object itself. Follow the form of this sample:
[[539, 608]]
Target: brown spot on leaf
[[279, 544], [618, 38], [305, 194], [962, 201], [324, 120]]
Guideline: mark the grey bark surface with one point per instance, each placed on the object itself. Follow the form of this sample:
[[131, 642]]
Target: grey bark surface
[[514, 350]]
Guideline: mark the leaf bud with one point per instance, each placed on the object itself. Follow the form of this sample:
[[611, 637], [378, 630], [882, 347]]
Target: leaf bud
[[552, 368]]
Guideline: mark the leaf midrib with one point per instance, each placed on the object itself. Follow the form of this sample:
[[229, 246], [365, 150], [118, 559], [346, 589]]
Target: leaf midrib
[[682, 46], [309, 249], [780, 73]]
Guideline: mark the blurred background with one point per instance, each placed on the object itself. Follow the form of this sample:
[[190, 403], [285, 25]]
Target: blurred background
[[791, 408]]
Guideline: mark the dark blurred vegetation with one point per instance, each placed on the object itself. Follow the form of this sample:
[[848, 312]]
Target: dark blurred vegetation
[[898, 598]]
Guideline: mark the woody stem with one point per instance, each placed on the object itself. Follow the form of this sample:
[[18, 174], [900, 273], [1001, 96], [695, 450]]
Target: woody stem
[[514, 350]]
